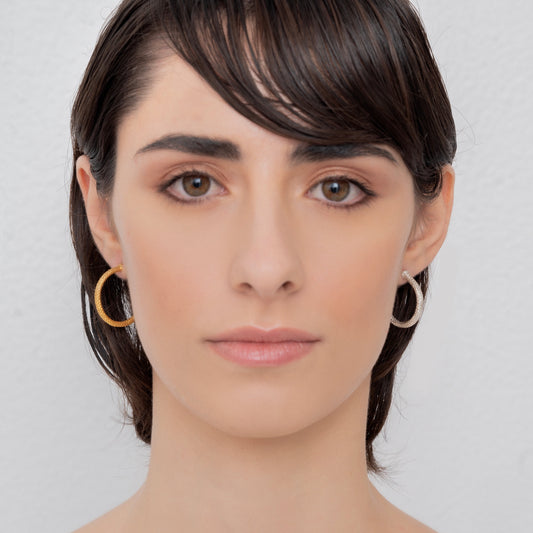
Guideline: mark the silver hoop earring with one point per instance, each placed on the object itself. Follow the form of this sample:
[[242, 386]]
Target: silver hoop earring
[[419, 303]]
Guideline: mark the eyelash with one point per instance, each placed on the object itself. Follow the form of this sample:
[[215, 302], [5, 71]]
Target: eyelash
[[368, 194]]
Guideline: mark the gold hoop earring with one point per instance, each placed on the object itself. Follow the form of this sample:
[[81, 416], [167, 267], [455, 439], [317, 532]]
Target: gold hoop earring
[[419, 303], [98, 300]]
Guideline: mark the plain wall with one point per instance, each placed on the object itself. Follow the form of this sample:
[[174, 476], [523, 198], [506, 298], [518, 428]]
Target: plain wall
[[459, 440]]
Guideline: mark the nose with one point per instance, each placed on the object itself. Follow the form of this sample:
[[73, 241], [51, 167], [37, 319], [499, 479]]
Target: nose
[[265, 260]]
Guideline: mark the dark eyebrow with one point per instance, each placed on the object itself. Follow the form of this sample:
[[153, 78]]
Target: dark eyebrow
[[303, 153], [195, 145], [313, 153]]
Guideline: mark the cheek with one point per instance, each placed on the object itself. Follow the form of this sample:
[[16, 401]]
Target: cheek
[[362, 285], [356, 287], [170, 276], [358, 271]]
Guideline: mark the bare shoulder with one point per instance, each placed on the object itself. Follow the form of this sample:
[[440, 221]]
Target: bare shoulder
[[397, 521], [408, 524], [400, 522], [111, 522]]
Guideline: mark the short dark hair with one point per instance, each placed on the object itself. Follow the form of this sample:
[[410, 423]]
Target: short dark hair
[[324, 72]]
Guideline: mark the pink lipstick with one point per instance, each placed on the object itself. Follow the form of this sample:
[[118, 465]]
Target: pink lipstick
[[251, 346]]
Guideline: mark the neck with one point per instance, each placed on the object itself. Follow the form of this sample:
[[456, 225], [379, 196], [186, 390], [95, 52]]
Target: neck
[[201, 478]]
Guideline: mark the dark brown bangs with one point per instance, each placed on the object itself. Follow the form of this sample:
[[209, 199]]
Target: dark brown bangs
[[322, 72], [279, 64]]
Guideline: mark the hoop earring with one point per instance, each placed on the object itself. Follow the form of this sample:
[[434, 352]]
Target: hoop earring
[[98, 300], [419, 303]]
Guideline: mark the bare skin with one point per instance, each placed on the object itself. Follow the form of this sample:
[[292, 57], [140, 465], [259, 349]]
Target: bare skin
[[319, 506], [269, 449], [121, 519]]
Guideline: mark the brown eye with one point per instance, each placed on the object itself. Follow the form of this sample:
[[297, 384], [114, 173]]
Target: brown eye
[[336, 190], [195, 185], [341, 192], [192, 187]]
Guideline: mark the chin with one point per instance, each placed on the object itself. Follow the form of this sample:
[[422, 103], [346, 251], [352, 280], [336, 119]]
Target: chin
[[279, 417]]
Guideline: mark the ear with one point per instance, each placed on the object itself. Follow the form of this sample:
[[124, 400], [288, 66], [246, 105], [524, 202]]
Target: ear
[[98, 215], [430, 228]]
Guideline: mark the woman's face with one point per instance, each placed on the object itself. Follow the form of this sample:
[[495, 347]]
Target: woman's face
[[258, 231]]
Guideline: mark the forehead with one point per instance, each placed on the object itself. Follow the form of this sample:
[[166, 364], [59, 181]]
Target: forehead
[[179, 99]]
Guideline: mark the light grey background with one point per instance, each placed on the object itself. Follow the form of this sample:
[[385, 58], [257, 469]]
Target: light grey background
[[460, 437]]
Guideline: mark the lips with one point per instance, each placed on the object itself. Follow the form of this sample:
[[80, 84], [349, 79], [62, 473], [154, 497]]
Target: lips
[[251, 346]]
